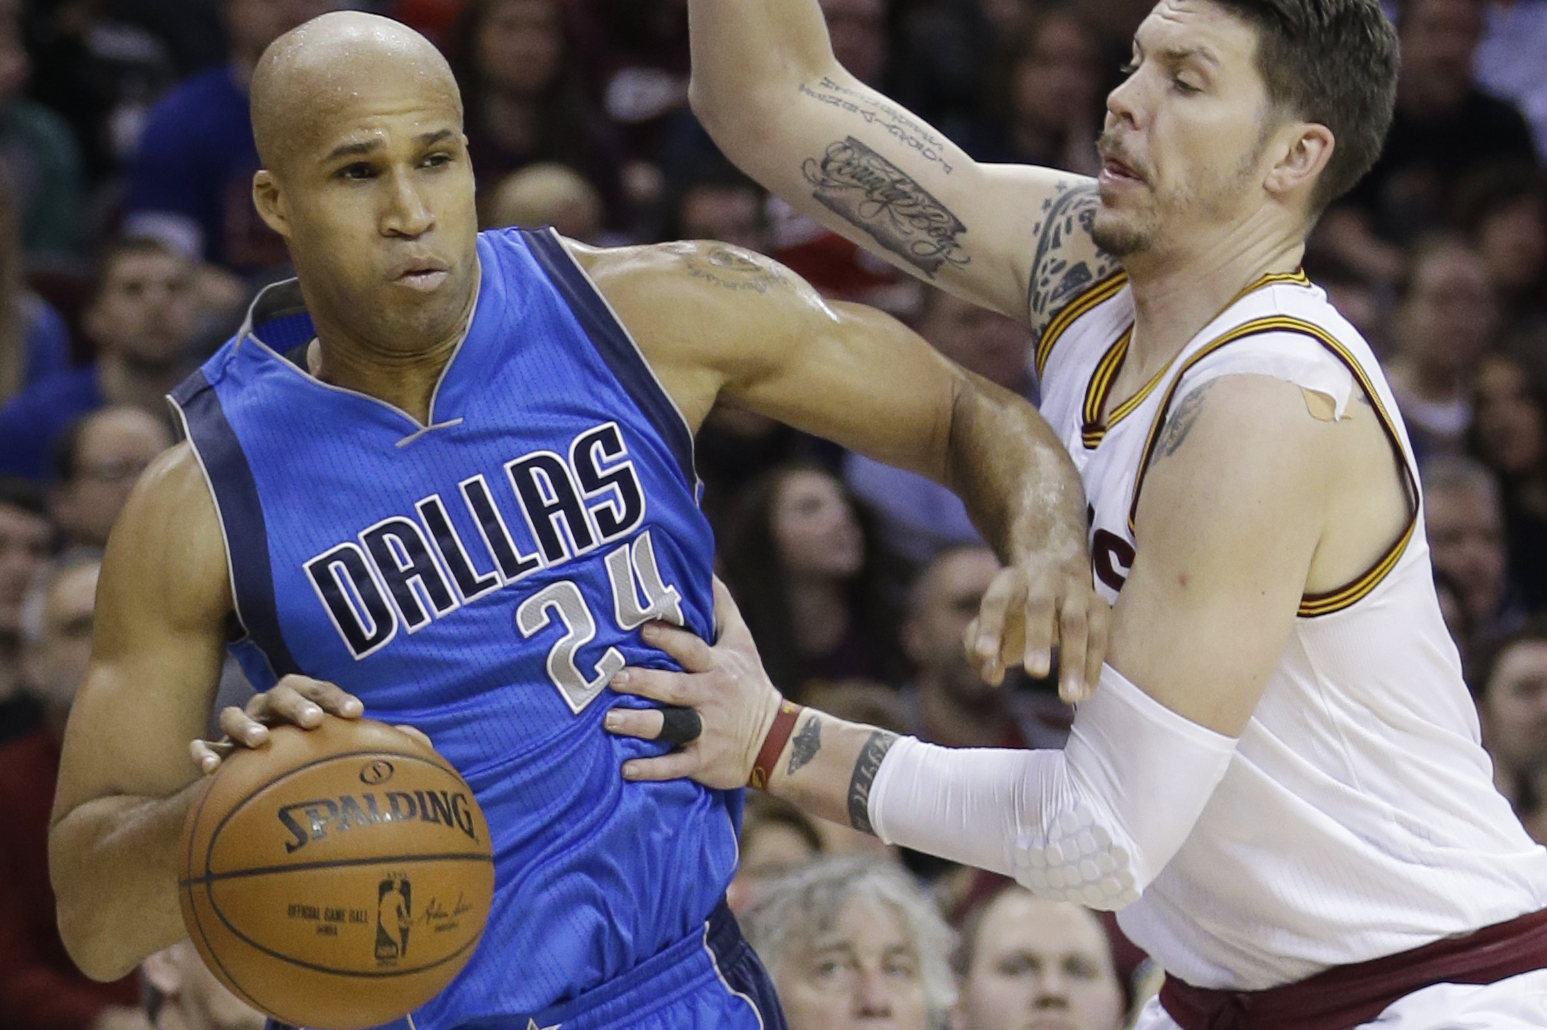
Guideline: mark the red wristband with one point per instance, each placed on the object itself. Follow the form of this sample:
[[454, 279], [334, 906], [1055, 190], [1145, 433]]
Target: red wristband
[[773, 744]]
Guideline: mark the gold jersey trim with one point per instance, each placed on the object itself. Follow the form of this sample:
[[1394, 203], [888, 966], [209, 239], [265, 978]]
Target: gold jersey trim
[[1311, 605], [1101, 290]]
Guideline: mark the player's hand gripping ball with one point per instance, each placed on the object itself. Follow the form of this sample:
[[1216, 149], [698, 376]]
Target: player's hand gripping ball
[[337, 878]]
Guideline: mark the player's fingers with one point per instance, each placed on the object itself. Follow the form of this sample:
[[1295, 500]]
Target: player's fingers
[[330, 697], [242, 727], [415, 732], [1040, 623], [283, 703], [1096, 646], [1073, 635], [674, 688], [674, 765], [208, 754], [645, 723], [991, 617], [690, 652]]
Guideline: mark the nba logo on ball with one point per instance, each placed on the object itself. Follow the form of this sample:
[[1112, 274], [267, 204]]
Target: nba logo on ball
[[337, 878]]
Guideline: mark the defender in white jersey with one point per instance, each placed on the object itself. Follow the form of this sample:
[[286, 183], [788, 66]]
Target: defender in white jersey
[[1277, 778]]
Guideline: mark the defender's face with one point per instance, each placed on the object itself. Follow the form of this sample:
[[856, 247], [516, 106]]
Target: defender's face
[[378, 200], [1184, 131]]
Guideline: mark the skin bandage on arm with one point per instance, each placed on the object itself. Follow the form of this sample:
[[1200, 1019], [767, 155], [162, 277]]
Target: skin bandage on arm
[[1093, 823]]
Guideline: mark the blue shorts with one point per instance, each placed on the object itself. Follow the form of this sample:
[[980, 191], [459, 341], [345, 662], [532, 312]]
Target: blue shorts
[[710, 980]]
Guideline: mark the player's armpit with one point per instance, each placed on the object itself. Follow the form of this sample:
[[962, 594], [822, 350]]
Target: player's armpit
[[157, 643], [1230, 514]]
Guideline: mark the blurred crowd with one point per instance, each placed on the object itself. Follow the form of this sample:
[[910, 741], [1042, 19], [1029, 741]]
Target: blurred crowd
[[129, 249]]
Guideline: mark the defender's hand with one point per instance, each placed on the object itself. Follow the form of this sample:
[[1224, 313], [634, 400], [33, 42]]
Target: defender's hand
[[725, 684], [1032, 605], [295, 700]]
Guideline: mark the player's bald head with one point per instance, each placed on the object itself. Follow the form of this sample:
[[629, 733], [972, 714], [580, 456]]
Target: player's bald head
[[321, 71]]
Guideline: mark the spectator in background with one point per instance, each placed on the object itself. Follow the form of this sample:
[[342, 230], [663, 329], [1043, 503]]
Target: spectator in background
[[25, 535], [1466, 542], [1446, 319], [1025, 962], [1509, 435], [181, 994], [38, 153], [548, 194], [936, 67], [97, 461], [776, 839], [190, 184], [57, 627], [1508, 62], [1444, 128], [719, 203], [1503, 213], [919, 516], [848, 944], [948, 702], [40, 988], [1458, 623], [1513, 707], [102, 74], [34, 343], [1050, 93], [141, 317], [525, 103], [812, 580]]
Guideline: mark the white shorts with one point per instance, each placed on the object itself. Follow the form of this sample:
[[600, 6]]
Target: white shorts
[[1519, 1003]]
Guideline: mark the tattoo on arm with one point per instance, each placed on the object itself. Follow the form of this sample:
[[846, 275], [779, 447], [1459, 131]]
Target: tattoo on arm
[[806, 744], [868, 191], [730, 269], [874, 110], [1180, 422], [864, 775], [1054, 278]]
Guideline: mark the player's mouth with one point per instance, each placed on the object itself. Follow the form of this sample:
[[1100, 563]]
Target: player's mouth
[[1116, 172], [424, 275]]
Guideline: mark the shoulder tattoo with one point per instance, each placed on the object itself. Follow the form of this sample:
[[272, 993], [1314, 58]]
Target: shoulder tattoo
[[865, 770], [730, 268], [1055, 279], [868, 191], [1180, 422]]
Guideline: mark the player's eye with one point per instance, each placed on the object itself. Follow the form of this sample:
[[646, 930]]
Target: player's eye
[[437, 160], [357, 171], [1128, 67]]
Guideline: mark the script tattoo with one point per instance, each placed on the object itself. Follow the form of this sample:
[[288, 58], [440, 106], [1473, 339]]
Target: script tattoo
[[1055, 279], [895, 121], [1181, 421], [864, 775], [867, 190], [806, 744], [728, 268]]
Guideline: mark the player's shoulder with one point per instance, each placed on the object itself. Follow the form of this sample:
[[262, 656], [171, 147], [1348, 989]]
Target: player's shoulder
[[1066, 261], [687, 265]]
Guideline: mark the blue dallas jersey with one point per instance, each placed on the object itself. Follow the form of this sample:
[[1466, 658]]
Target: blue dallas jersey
[[481, 578]]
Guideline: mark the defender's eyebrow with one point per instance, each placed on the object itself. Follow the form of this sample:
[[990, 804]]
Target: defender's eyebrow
[[364, 147], [1176, 55]]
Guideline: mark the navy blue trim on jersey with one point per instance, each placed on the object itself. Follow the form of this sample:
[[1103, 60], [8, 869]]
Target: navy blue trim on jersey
[[612, 341], [740, 968], [241, 516]]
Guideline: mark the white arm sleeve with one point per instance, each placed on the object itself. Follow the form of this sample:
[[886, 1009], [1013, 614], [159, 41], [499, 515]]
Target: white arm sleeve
[[1093, 823]]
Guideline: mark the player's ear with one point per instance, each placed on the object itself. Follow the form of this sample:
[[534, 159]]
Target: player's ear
[[162, 971], [266, 197], [1306, 147]]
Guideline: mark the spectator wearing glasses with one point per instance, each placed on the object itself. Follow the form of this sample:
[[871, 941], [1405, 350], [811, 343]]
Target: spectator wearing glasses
[[97, 461]]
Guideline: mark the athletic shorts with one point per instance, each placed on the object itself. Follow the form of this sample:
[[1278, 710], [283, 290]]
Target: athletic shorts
[[711, 980]]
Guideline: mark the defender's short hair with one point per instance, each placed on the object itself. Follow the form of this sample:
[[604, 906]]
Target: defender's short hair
[[1333, 62]]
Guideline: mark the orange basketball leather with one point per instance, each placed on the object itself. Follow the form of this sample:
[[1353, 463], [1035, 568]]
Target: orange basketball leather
[[338, 877]]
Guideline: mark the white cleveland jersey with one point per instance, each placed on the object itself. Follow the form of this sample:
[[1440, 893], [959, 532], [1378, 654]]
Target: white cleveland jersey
[[1358, 817]]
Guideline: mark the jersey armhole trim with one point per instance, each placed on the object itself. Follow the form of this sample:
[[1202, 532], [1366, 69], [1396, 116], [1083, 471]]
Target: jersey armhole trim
[[234, 494], [617, 346], [1325, 603], [1096, 293]]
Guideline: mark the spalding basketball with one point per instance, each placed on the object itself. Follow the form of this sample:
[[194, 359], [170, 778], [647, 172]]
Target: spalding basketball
[[338, 877]]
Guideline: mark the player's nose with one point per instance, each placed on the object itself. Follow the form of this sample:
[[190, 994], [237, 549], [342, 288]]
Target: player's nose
[[407, 213]]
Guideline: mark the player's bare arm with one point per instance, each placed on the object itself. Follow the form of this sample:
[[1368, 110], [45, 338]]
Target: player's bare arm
[[767, 87], [717, 321], [162, 621], [1254, 498]]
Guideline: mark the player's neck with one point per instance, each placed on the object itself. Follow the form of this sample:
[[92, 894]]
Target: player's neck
[[1176, 294]]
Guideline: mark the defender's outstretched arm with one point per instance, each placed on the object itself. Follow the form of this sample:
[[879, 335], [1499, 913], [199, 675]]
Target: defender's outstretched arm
[[769, 90]]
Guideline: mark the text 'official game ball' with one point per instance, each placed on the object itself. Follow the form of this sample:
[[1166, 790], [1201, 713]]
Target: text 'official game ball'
[[336, 878]]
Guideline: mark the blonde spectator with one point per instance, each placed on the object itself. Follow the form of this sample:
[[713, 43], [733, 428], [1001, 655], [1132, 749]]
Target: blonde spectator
[[547, 194]]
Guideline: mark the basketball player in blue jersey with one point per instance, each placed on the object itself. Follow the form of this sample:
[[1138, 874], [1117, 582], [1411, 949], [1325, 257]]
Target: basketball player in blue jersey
[[437, 480]]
